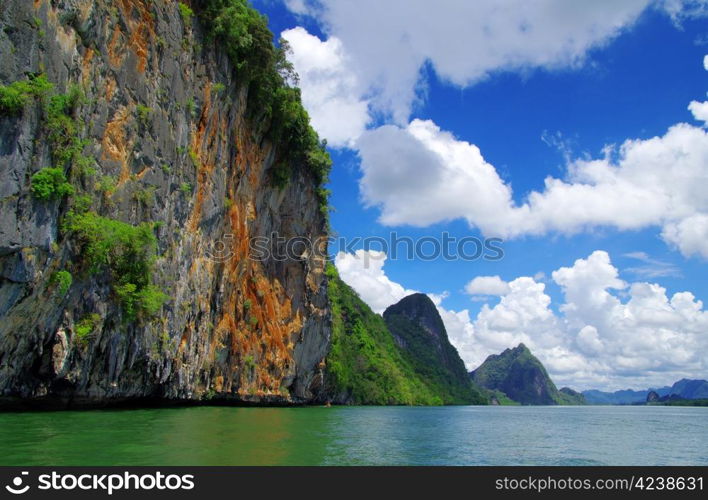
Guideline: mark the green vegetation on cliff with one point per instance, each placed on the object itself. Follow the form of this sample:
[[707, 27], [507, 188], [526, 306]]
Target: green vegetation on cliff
[[273, 96], [50, 183], [64, 128], [364, 365], [62, 279], [14, 97], [127, 251]]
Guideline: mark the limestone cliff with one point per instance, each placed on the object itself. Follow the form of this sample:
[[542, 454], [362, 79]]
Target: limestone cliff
[[131, 129]]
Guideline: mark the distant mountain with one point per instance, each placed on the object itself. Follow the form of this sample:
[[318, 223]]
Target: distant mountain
[[522, 377], [418, 330], [690, 389], [623, 397], [684, 388]]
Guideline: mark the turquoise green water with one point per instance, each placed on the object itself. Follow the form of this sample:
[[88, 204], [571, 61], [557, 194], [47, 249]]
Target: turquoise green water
[[359, 436]]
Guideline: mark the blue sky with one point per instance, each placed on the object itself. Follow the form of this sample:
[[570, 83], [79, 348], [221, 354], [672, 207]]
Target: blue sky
[[530, 121]]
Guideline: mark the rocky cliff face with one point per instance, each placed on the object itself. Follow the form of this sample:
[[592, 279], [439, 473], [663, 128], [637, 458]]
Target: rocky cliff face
[[149, 126]]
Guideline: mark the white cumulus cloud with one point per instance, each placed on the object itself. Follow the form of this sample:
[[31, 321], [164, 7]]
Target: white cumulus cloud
[[689, 235], [330, 89], [699, 110], [487, 285], [522, 315], [650, 335], [653, 182], [363, 271]]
